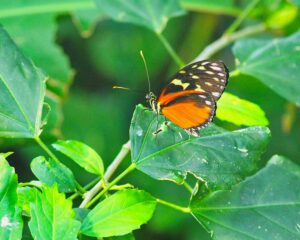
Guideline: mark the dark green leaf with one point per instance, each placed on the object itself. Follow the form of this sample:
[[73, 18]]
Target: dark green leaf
[[153, 14], [240, 112], [10, 214], [275, 62], [220, 158], [82, 154], [26, 195], [51, 172], [22, 92], [52, 216], [119, 214], [264, 206]]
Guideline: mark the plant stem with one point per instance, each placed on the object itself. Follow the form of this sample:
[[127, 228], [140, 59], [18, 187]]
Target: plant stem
[[241, 17], [170, 50], [174, 206], [110, 170], [188, 187], [45, 148], [226, 40], [76, 194], [115, 181]]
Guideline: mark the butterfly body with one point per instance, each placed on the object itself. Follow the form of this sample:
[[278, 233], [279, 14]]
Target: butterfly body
[[189, 100]]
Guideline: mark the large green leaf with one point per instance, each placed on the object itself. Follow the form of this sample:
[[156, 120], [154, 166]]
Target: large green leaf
[[119, 214], [221, 158], [22, 88], [264, 206], [153, 14], [35, 35], [10, 214], [82, 154], [240, 112], [52, 216], [51, 172], [215, 6], [274, 62]]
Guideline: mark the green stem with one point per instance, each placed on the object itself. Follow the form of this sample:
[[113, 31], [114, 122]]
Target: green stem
[[112, 183], [226, 40], [188, 187], [45, 148], [241, 17], [174, 206], [170, 50]]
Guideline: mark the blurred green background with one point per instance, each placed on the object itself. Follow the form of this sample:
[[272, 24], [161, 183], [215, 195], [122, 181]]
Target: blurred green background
[[89, 63]]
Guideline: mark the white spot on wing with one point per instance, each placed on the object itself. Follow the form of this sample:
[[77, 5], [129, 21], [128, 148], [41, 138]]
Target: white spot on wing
[[216, 94], [209, 72], [216, 68], [202, 96], [195, 77], [201, 68], [221, 74], [208, 102], [204, 63], [208, 83]]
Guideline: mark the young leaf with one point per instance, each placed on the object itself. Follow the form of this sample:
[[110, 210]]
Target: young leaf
[[52, 216], [240, 112], [10, 214], [274, 62], [152, 14], [51, 172], [119, 214], [26, 195], [264, 206], [82, 154], [221, 158], [22, 92]]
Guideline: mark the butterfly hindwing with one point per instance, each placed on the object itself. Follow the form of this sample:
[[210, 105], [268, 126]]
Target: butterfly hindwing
[[189, 100]]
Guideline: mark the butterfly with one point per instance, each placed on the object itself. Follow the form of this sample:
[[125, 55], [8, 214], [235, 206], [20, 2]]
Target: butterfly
[[189, 100]]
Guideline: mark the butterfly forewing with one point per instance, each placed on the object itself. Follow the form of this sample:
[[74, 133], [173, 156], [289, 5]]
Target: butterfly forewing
[[189, 100]]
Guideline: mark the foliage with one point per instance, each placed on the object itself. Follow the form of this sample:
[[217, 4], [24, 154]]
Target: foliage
[[230, 191]]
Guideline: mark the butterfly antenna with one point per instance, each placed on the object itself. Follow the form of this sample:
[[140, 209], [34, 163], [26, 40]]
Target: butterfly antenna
[[145, 64]]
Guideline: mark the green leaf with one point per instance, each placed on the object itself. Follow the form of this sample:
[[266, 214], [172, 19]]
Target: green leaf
[[82, 154], [264, 206], [274, 62], [35, 35], [51, 172], [221, 158], [119, 214], [10, 214], [52, 216], [216, 6], [240, 112], [22, 92], [153, 14], [26, 195]]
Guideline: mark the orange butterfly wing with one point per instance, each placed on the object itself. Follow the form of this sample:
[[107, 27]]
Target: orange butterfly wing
[[189, 100]]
